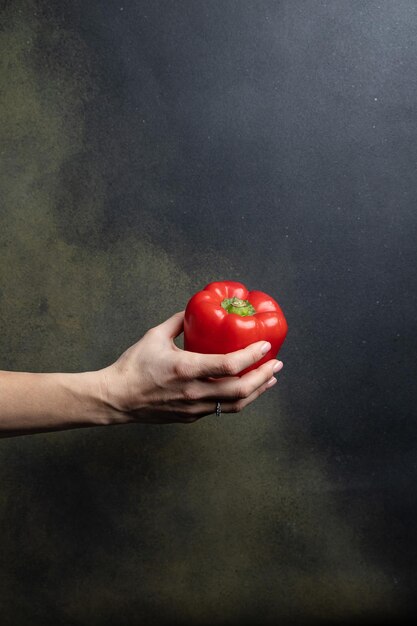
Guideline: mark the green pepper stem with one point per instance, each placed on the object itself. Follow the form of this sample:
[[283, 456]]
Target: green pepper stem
[[238, 306]]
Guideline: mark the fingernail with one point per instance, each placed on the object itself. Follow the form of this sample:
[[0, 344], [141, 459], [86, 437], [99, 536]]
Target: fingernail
[[278, 366], [271, 381], [266, 347]]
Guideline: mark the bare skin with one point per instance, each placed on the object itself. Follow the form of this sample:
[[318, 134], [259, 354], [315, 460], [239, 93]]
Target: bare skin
[[152, 382]]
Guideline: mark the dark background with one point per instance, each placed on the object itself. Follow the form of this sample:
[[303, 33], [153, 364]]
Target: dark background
[[148, 148]]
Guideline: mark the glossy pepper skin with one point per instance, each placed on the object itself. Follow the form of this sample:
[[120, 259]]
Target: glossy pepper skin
[[225, 316]]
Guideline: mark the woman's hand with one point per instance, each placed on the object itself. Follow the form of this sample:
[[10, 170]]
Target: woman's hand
[[154, 381]]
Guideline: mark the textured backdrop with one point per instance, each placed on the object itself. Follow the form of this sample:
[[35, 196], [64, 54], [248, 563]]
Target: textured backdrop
[[150, 147]]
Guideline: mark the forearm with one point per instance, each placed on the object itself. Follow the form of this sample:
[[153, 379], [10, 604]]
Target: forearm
[[40, 402]]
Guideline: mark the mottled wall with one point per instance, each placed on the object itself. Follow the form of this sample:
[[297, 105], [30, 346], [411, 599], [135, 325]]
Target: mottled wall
[[147, 148]]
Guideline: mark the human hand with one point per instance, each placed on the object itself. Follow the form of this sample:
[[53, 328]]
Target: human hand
[[154, 381]]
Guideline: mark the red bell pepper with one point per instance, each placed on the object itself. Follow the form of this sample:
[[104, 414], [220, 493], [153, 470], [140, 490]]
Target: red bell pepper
[[225, 317]]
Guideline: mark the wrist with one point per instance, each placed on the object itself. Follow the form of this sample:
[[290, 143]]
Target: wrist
[[90, 399]]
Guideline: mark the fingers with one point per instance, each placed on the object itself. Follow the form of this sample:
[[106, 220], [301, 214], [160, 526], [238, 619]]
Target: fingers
[[232, 389], [219, 365], [207, 407], [238, 405], [173, 326]]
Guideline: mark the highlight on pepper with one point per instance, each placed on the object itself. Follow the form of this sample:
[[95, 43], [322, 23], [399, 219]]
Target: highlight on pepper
[[225, 316]]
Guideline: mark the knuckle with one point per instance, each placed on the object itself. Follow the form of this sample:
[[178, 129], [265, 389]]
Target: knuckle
[[242, 390], [183, 369], [190, 393], [255, 357], [237, 406], [153, 332], [196, 412], [229, 366]]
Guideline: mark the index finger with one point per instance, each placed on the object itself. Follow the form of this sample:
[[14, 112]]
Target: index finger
[[230, 364]]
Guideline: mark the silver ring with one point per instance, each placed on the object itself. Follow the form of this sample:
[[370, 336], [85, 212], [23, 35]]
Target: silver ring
[[218, 409]]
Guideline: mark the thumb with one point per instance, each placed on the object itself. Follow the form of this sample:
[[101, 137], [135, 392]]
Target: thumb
[[173, 326]]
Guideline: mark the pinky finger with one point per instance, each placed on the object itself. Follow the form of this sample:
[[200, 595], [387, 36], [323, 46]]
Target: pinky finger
[[235, 407], [207, 408]]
